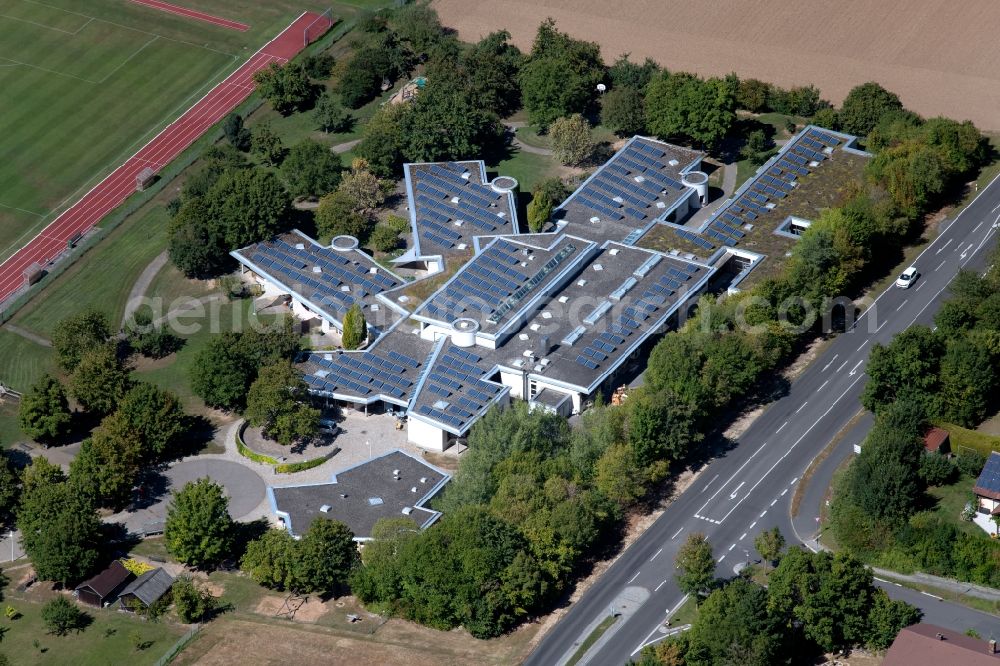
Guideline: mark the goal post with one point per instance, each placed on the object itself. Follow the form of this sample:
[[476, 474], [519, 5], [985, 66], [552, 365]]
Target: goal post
[[318, 27]]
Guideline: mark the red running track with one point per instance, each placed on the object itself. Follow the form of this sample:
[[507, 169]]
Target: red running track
[[165, 146], [194, 14]]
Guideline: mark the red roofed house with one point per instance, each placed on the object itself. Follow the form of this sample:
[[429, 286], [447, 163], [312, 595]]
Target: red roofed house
[[930, 645], [936, 440]]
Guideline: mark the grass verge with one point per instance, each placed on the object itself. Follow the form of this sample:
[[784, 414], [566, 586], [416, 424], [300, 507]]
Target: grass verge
[[594, 636]]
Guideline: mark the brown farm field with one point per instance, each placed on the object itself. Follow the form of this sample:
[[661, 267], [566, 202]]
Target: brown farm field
[[939, 56]]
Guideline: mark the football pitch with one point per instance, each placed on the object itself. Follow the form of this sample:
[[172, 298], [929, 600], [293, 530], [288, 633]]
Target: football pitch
[[84, 84]]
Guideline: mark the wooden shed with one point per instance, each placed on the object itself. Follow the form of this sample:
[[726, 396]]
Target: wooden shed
[[104, 587]]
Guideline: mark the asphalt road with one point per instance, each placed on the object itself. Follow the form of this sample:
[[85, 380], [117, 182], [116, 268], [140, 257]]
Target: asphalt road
[[747, 489]]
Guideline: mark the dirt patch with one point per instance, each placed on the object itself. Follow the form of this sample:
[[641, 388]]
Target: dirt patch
[[934, 56], [804, 360], [308, 611]]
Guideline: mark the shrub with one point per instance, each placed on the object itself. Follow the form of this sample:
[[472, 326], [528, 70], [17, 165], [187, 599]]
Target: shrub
[[936, 470], [192, 602], [61, 616], [383, 238]]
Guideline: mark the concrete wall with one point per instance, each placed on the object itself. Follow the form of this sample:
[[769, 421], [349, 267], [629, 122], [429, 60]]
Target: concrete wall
[[425, 435]]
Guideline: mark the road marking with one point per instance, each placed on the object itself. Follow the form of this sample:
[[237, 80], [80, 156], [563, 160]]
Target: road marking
[[919, 286], [905, 301], [944, 246], [752, 525], [802, 406], [784, 491], [940, 265], [709, 483], [887, 321], [931, 595], [976, 228], [731, 547], [721, 558], [792, 482], [743, 536], [842, 365], [632, 578], [762, 513], [676, 533], [654, 556], [855, 368], [728, 480], [774, 501], [732, 495], [862, 345], [831, 362], [822, 385], [662, 583], [964, 254], [781, 428]]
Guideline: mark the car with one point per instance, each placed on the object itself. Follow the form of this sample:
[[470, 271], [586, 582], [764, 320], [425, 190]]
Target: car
[[907, 278]]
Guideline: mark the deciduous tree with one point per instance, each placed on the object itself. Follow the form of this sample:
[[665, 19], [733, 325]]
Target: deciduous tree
[[77, 334], [101, 380], [198, 530], [695, 565], [864, 106], [286, 87], [311, 169], [331, 116], [266, 145], [60, 531], [623, 110], [44, 411], [278, 403], [571, 140]]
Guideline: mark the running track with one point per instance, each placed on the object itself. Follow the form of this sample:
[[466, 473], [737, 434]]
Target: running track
[[165, 146], [194, 14]]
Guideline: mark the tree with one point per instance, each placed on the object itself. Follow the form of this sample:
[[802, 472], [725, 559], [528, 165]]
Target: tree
[[559, 77], [101, 380], [41, 472], [619, 474], [381, 140], [907, 368], [362, 186], [10, 488], [249, 205], [627, 74], [78, 334], [968, 382], [660, 427], [756, 147], [311, 169], [266, 145], [355, 328], [623, 110], [198, 530], [735, 627], [318, 66], [149, 339], [60, 531], [539, 212], [686, 107], [237, 135], [222, 374], [278, 404], [571, 140], [44, 411], [331, 116], [417, 25], [384, 238], [61, 616], [108, 463], [327, 554], [193, 604], [753, 95], [286, 87], [336, 215], [695, 565], [157, 418], [769, 544], [864, 106], [886, 619], [195, 241], [492, 66], [270, 560]]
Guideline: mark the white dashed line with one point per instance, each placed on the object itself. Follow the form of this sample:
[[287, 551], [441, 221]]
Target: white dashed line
[[802, 406], [784, 491], [633, 578], [676, 533], [774, 501], [654, 556], [662, 583], [781, 428], [743, 536], [859, 348], [721, 558], [733, 546], [905, 301]]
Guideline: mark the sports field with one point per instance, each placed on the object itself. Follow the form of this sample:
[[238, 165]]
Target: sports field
[[84, 85]]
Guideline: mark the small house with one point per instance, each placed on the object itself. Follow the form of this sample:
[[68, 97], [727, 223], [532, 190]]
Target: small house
[[936, 441], [103, 588], [929, 645], [145, 590]]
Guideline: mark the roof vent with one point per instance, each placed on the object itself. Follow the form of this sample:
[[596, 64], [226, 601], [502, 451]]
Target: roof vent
[[673, 162], [327, 357], [300, 246], [375, 501], [613, 252], [595, 220], [441, 404], [524, 336], [325, 508], [317, 269], [343, 495], [563, 299], [581, 283], [423, 479], [373, 270], [407, 510], [598, 267], [413, 489]]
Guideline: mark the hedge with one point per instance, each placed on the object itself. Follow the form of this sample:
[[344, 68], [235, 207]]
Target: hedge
[[972, 439]]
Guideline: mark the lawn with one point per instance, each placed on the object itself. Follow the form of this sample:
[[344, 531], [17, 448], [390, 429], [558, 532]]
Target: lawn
[[528, 168], [107, 640], [24, 361], [103, 278], [951, 500]]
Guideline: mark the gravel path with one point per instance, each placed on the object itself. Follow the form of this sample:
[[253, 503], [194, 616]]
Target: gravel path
[[142, 285]]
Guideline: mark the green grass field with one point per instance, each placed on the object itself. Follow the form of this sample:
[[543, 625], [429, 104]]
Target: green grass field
[[90, 83]]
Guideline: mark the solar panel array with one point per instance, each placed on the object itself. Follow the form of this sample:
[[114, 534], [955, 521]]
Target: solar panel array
[[455, 390], [615, 193], [773, 185], [444, 198], [392, 374], [654, 297], [295, 266], [492, 283]]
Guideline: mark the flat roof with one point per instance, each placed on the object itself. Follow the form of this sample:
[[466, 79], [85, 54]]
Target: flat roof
[[586, 329], [451, 203], [393, 485], [501, 282], [639, 184], [329, 280]]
